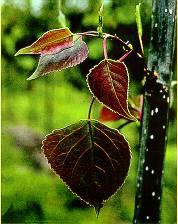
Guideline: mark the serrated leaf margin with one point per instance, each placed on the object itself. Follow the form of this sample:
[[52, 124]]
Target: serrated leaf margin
[[64, 180], [33, 76], [87, 76]]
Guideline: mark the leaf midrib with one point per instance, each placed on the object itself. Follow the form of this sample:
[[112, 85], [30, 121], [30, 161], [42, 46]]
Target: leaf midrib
[[112, 84], [46, 44]]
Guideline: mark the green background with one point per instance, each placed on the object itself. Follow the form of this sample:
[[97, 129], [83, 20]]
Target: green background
[[31, 192]]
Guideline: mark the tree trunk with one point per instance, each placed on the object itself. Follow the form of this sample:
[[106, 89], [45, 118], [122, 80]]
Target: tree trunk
[[153, 137]]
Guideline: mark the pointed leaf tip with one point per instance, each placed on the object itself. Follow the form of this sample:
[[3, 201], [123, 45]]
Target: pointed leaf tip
[[33, 76], [101, 9], [67, 58], [91, 158], [98, 209], [50, 42], [25, 50], [109, 83], [17, 53]]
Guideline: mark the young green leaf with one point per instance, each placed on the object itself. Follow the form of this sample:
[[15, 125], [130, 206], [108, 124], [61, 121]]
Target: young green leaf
[[69, 57], [92, 159], [108, 81], [138, 19], [139, 25], [50, 42], [100, 24]]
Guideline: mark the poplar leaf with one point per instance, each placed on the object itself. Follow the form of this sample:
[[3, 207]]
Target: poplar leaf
[[108, 115], [69, 57], [50, 42], [108, 81], [91, 158], [135, 108]]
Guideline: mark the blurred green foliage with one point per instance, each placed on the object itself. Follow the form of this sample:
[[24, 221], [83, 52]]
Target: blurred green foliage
[[34, 194]]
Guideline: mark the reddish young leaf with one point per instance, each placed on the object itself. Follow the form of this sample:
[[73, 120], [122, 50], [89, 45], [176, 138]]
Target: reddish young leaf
[[92, 159], [135, 107], [69, 57], [108, 81], [108, 115], [50, 42]]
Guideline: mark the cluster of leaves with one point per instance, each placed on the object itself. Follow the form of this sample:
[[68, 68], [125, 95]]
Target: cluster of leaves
[[91, 158]]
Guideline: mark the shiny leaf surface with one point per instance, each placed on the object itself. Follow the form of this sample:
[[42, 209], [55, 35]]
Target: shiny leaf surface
[[92, 159], [108, 81], [50, 42], [69, 57]]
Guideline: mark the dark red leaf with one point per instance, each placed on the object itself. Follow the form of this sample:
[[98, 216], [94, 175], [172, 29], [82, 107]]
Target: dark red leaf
[[92, 159], [108, 81]]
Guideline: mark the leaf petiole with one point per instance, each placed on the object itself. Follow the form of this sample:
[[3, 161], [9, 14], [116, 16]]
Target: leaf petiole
[[105, 47], [109, 36], [88, 33], [91, 104], [123, 125], [125, 55]]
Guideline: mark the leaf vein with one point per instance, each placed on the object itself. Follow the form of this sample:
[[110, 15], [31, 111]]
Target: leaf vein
[[110, 77], [80, 157], [67, 154], [102, 149], [66, 136], [107, 137]]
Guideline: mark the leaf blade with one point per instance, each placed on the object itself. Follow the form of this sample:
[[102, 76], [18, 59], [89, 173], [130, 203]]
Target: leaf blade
[[139, 25], [64, 59], [92, 166], [107, 115], [138, 20], [108, 82], [135, 104], [50, 42]]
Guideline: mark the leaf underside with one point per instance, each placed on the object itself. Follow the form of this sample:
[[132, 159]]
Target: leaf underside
[[108, 81], [69, 57], [92, 159], [50, 42]]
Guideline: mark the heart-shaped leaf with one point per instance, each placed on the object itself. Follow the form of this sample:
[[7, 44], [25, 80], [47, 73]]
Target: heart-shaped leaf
[[50, 42], [69, 57], [108, 81], [92, 159]]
